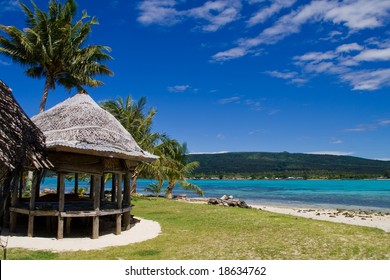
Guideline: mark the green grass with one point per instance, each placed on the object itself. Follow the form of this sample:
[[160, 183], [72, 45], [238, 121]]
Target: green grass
[[197, 231]]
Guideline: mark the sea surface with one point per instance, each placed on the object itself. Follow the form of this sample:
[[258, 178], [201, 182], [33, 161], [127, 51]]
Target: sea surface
[[344, 194]]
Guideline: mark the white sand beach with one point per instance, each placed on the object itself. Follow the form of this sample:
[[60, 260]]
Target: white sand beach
[[360, 217], [142, 231]]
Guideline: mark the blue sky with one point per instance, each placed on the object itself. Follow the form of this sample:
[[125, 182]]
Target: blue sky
[[249, 75]]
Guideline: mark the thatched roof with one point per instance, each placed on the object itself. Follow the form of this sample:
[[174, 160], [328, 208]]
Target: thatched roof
[[80, 125], [21, 142]]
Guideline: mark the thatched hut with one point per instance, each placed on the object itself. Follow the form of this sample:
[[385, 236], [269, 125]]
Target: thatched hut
[[81, 137], [22, 146]]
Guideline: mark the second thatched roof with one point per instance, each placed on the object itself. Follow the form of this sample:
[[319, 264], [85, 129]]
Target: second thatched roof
[[80, 125], [21, 141]]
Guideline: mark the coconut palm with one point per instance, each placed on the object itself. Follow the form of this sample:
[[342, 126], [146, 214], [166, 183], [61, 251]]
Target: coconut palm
[[52, 47], [177, 168], [131, 115]]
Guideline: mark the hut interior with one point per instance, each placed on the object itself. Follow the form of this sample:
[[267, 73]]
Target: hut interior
[[81, 138]]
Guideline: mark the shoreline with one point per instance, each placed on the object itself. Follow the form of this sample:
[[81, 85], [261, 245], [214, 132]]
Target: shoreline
[[353, 217], [358, 217]]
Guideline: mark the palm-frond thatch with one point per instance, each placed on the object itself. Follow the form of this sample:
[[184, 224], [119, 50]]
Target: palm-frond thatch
[[80, 125], [21, 141], [22, 145]]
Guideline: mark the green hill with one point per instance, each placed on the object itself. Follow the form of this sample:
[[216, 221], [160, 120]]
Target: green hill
[[259, 165]]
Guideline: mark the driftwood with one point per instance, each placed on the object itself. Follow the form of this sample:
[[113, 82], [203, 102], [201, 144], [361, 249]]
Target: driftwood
[[228, 201]]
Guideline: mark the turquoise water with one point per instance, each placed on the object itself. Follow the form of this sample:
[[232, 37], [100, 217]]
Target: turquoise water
[[349, 194]]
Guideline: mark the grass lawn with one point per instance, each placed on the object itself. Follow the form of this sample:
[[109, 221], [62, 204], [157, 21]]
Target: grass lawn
[[199, 231]]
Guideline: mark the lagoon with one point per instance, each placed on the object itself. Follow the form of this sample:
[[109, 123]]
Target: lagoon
[[345, 194]]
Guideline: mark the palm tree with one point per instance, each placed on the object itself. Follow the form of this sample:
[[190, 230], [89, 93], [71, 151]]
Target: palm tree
[[177, 168], [131, 115], [52, 47]]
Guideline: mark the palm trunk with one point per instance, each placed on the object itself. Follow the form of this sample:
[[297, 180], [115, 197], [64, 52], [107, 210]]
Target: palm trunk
[[44, 95], [133, 188], [168, 193]]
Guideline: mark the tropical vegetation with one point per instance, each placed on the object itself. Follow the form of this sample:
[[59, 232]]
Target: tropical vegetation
[[52, 46], [172, 165], [263, 165]]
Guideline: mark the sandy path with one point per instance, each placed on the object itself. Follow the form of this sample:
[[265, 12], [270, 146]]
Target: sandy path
[[142, 231]]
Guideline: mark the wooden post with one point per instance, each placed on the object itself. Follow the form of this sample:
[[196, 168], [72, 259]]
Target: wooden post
[[96, 207], [91, 186], [34, 184], [119, 191], [76, 183], [118, 227], [14, 200], [127, 200], [61, 205], [22, 184], [113, 189], [102, 197]]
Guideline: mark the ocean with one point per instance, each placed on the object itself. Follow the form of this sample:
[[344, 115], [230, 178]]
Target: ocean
[[344, 194]]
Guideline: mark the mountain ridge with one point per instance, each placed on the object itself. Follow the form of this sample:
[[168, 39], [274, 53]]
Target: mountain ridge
[[260, 165]]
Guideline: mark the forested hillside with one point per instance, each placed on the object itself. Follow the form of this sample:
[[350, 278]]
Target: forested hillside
[[258, 165]]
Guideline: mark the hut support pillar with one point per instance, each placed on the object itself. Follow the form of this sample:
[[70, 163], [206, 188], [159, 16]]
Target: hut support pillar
[[102, 188], [118, 227], [96, 206], [14, 200], [34, 184], [113, 190], [127, 200], [61, 205], [22, 184], [92, 186], [76, 183]]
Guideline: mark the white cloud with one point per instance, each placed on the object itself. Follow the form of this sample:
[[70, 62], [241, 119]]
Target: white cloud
[[220, 136], [282, 75], [336, 141], [359, 14], [178, 88], [5, 63], [264, 14], [208, 153], [9, 5], [384, 122], [292, 76], [234, 99], [373, 55], [346, 48], [332, 153], [368, 79], [160, 12], [215, 14], [230, 54], [353, 14]]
